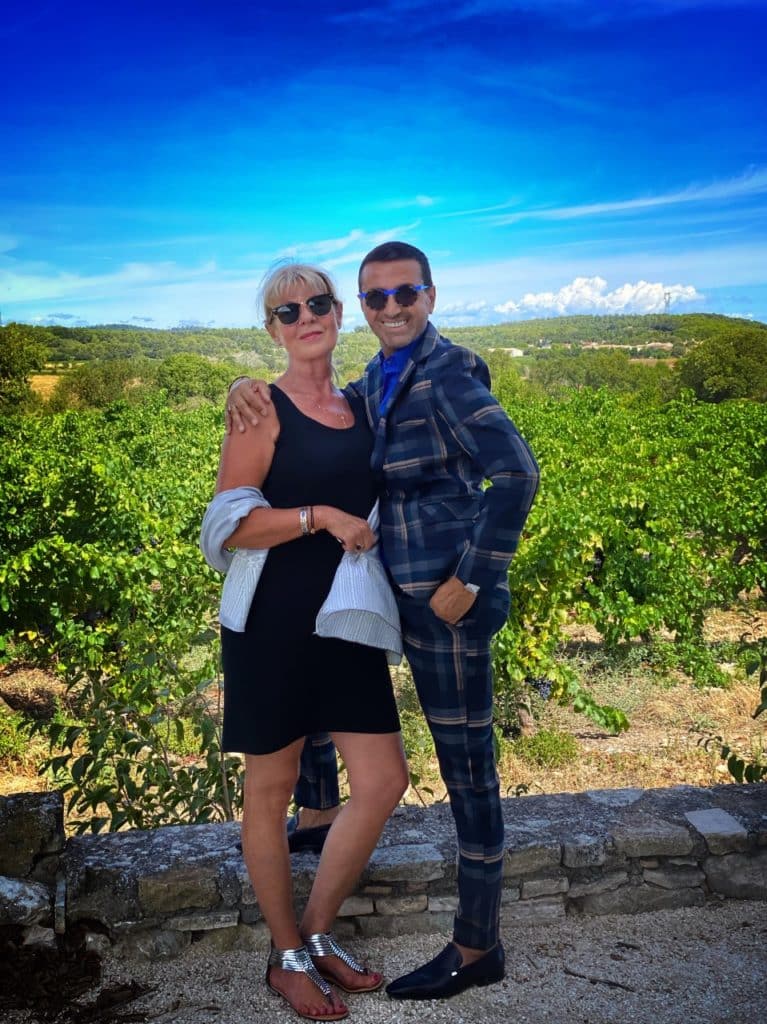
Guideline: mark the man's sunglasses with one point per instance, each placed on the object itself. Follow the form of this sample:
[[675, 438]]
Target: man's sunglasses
[[404, 295], [288, 312]]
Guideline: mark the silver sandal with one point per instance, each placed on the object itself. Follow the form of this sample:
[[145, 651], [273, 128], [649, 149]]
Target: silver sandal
[[299, 960], [325, 944]]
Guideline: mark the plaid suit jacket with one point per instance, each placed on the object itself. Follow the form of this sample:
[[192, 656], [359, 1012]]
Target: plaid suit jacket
[[444, 436]]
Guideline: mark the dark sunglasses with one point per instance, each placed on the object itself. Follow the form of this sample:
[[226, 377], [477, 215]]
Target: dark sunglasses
[[287, 313], [404, 295]]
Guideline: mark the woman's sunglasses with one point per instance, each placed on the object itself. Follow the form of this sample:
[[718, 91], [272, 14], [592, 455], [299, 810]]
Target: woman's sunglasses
[[288, 312], [404, 295]]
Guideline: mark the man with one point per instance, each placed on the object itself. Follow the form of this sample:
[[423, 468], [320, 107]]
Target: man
[[447, 541]]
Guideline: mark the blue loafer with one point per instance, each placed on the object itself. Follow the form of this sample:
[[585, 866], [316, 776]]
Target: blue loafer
[[445, 975]]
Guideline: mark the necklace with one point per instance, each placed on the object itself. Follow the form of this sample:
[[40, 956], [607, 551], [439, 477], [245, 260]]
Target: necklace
[[323, 408]]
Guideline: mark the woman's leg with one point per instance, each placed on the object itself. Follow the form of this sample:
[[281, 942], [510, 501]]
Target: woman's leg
[[269, 781], [378, 778]]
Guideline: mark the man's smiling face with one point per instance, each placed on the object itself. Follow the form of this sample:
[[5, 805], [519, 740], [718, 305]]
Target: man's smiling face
[[396, 326]]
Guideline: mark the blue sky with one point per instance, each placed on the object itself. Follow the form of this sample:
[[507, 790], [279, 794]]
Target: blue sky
[[550, 157]]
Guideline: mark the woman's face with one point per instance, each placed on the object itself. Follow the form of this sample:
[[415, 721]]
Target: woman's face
[[313, 333]]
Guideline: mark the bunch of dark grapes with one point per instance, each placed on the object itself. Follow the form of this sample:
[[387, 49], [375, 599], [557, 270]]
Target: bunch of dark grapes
[[541, 685]]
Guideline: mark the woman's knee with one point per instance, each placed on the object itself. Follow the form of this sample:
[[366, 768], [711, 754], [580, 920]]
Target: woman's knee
[[385, 787]]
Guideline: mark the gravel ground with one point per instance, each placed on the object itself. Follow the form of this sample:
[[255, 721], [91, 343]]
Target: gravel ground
[[707, 965]]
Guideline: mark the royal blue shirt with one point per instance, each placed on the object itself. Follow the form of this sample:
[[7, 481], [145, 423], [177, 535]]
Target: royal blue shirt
[[392, 367]]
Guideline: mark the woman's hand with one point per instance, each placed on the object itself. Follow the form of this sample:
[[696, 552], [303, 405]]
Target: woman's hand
[[351, 532], [247, 400]]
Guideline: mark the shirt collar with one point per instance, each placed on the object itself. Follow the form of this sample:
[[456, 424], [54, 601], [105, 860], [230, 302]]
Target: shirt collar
[[395, 363]]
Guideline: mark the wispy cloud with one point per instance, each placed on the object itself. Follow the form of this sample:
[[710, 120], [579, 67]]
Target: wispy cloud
[[576, 14], [323, 247], [331, 250], [590, 295], [401, 204], [20, 285], [751, 183]]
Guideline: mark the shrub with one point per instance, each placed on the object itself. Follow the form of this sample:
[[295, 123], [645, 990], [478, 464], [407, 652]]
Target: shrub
[[548, 748]]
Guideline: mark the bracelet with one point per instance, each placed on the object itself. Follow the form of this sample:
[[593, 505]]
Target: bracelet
[[303, 518], [237, 380]]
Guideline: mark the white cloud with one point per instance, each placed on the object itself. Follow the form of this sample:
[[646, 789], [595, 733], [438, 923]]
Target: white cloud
[[590, 295]]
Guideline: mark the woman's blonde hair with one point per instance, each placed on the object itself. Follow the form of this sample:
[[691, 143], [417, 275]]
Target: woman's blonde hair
[[284, 276]]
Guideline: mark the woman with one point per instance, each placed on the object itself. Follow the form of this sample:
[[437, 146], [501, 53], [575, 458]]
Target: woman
[[312, 464]]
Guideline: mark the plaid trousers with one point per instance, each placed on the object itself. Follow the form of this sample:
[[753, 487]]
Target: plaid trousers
[[451, 668]]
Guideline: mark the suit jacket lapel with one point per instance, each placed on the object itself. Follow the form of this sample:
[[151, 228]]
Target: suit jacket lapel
[[375, 379]]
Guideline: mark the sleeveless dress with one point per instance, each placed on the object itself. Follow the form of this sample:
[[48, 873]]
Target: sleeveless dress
[[281, 682]]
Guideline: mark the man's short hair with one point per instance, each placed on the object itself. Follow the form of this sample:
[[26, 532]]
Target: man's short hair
[[388, 252]]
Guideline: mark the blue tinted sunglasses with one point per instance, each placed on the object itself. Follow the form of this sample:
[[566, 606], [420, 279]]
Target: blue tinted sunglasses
[[404, 295]]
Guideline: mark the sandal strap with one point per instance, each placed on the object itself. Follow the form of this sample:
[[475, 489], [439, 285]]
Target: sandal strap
[[325, 944], [299, 960]]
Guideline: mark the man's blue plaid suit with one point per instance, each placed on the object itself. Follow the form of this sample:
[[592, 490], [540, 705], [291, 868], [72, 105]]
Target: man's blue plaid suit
[[442, 438]]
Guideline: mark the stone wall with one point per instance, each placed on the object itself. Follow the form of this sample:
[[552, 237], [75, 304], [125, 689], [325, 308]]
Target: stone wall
[[602, 852]]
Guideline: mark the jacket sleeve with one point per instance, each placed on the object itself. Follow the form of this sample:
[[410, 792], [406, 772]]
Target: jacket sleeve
[[499, 455]]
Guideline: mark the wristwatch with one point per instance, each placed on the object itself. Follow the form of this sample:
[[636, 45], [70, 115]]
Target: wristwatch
[[472, 588]]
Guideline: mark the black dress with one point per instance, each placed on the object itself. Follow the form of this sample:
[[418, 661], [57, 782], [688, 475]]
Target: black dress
[[281, 682]]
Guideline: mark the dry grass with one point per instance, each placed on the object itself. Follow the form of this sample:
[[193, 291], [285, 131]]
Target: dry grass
[[670, 720], [43, 384]]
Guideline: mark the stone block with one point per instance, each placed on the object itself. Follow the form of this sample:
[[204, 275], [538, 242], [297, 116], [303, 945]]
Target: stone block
[[584, 851], [251, 915], [229, 885], [31, 824], [104, 893], [394, 905], [354, 906], [241, 938], [38, 937], [548, 908], [738, 876], [154, 944], [23, 902], [614, 797], [95, 942], [673, 877], [204, 921], [510, 895], [377, 890], [533, 887], [409, 924], [178, 889], [443, 904], [246, 898], [652, 839], [636, 899], [345, 928], [531, 859], [604, 883], [722, 832], [420, 862]]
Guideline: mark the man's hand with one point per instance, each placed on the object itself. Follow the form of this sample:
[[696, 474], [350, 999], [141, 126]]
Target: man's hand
[[451, 600], [246, 401]]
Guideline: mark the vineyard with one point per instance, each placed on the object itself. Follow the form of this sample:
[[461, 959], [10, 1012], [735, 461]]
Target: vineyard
[[649, 517]]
